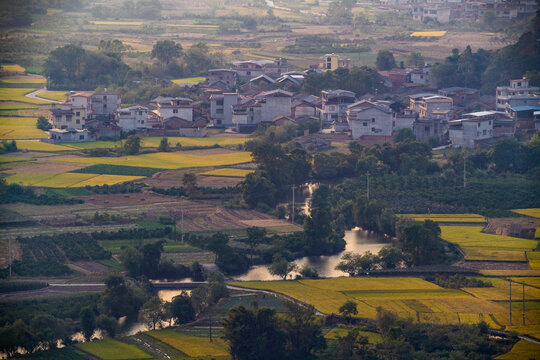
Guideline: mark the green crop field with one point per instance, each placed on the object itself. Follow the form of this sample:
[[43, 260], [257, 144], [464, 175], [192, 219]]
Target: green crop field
[[18, 94], [118, 170], [191, 80], [22, 79], [522, 350], [12, 68], [19, 128], [192, 346], [481, 246], [115, 246], [500, 290], [67, 179], [408, 297], [96, 145], [449, 218], [53, 95], [534, 212], [14, 105], [164, 160], [228, 172], [41, 146], [113, 350], [194, 141], [7, 159]]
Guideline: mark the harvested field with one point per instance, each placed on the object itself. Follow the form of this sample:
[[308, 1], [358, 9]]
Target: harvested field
[[43, 168], [191, 80], [429, 33], [228, 172]]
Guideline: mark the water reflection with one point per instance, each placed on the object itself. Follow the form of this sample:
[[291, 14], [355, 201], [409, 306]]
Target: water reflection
[[357, 241]]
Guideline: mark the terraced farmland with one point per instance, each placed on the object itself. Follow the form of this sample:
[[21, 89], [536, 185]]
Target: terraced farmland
[[448, 218], [534, 212], [522, 350], [41, 146], [227, 172], [192, 346], [18, 94], [67, 179], [19, 128]]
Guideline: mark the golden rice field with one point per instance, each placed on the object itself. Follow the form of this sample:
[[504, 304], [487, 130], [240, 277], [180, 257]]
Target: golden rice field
[[194, 26], [531, 330], [177, 160], [7, 159], [124, 23], [408, 297], [192, 346], [228, 172], [18, 94], [429, 33], [336, 332], [14, 105], [53, 95], [534, 259], [41, 146], [64, 180], [194, 141], [19, 128], [112, 350], [481, 246], [191, 80], [534, 212], [23, 79], [522, 350], [449, 218], [13, 68], [500, 290], [526, 272]]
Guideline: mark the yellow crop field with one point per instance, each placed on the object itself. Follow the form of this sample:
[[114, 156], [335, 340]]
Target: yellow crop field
[[14, 105], [194, 26], [192, 346], [67, 179], [113, 350], [193, 141], [429, 33], [522, 350], [532, 272], [359, 283], [449, 218], [191, 80], [123, 23], [482, 246], [7, 159], [534, 212], [164, 160], [53, 95], [227, 172], [534, 259], [41, 146], [13, 68], [18, 94], [20, 128], [23, 79], [532, 330]]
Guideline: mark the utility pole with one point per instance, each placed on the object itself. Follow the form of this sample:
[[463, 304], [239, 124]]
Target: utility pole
[[9, 257], [292, 212], [510, 282], [182, 225], [464, 170], [367, 185]]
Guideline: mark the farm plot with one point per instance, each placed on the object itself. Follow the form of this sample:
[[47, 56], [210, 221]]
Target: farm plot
[[481, 246], [19, 128], [41, 146], [53, 95], [18, 94], [115, 246], [500, 290], [228, 172], [12, 68], [194, 141], [333, 334], [166, 160], [22, 79], [7, 159], [522, 350], [113, 350], [448, 218], [534, 212], [408, 297], [192, 346], [60, 180], [120, 23], [191, 80], [428, 33]]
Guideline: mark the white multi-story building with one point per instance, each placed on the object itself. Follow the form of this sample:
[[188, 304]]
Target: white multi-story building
[[221, 108], [335, 103], [133, 118], [367, 118], [466, 132], [519, 93]]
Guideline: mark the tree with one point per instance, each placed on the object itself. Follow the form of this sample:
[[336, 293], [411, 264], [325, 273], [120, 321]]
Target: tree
[[132, 145], [415, 59], [422, 243], [308, 272], [255, 237], [281, 267], [218, 243], [121, 298], [404, 135], [163, 145], [385, 60], [508, 155], [166, 51], [254, 334], [88, 322], [43, 124], [189, 180], [257, 190], [348, 309], [107, 324], [181, 309], [304, 335], [385, 320], [151, 312], [389, 257], [354, 264]]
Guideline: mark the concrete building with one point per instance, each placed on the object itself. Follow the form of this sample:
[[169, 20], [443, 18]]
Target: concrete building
[[524, 116], [277, 102], [105, 103], [426, 128], [133, 118], [335, 103], [331, 62], [57, 136], [473, 128], [249, 69], [367, 118], [430, 104], [221, 108], [460, 95], [264, 107], [226, 76], [305, 106], [519, 93], [175, 107], [61, 117]]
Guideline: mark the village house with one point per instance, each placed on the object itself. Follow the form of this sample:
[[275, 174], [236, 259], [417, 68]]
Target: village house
[[334, 104], [519, 93], [420, 75], [70, 135], [524, 117], [61, 117], [331, 62], [416, 99], [226, 76], [249, 69], [403, 119], [368, 118], [264, 107], [460, 96], [221, 108], [303, 105], [174, 107], [476, 129], [430, 104], [426, 128], [133, 118]]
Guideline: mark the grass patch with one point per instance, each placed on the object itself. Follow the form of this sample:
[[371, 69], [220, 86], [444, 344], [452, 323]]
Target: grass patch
[[112, 264], [228, 172], [19, 128], [522, 350], [97, 145], [67, 353], [22, 79], [449, 218], [118, 170], [41, 146], [18, 94], [333, 334], [122, 23], [113, 350], [190, 80], [194, 141], [8, 159], [69, 192], [13, 105], [53, 95], [192, 346], [535, 212]]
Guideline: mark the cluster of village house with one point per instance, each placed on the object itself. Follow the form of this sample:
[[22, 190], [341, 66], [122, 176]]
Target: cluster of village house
[[257, 93]]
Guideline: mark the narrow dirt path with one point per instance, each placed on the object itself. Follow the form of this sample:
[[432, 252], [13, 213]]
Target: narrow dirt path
[[34, 95]]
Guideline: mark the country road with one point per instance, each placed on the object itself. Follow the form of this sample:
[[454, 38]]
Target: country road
[[33, 95]]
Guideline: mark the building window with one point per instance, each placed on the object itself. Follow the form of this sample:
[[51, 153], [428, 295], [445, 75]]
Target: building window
[[248, 72], [489, 122], [218, 122], [219, 103], [219, 111], [104, 97], [372, 129], [365, 123], [484, 132], [81, 137], [78, 113], [478, 124], [58, 118], [175, 111], [372, 120], [426, 128], [142, 121], [140, 112], [104, 106], [68, 118], [78, 121], [393, 124]]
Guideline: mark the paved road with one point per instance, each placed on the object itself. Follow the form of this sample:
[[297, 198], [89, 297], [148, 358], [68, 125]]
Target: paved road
[[33, 95]]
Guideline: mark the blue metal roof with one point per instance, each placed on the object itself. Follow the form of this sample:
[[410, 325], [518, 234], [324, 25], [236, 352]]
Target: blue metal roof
[[525, 108]]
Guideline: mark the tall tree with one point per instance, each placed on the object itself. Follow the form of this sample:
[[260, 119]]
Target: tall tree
[[385, 60], [304, 333], [132, 145], [182, 310], [88, 322], [166, 51], [255, 237], [151, 312]]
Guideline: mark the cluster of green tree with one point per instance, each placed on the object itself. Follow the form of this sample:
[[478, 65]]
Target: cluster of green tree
[[314, 44], [487, 70], [12, 286], [43, 124], [181, 191], [360, 80], [8, 146], [142, 9], [27, 11], [145, 259], [127, 187], [282, 134], [459, 281], [260, 334], [340, 12], [359, 264], [72, 67], [17, 193]]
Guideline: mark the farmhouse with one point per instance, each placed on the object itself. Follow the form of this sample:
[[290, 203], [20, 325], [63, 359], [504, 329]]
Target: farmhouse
[[519, 93], [368, 118], [331, 62], [249, 69], [335, 103], [221, 108], [226, 76], [133, 118], [57, 136]]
